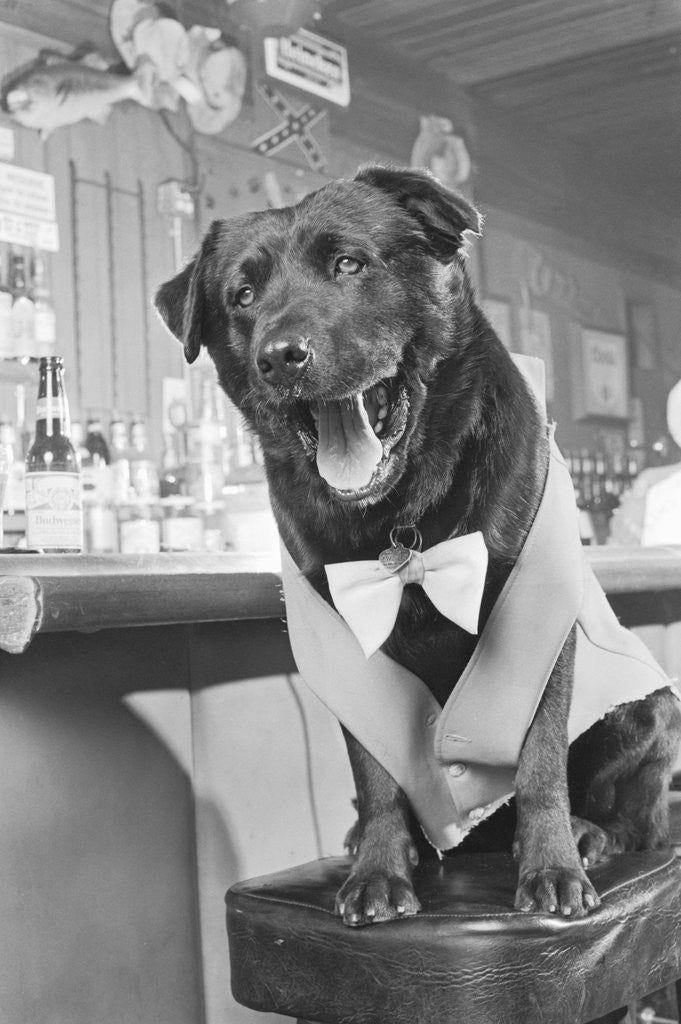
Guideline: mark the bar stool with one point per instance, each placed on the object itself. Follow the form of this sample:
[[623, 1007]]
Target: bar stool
[[467, 958]]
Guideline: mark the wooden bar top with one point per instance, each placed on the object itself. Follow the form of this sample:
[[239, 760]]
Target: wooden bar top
[[50, 593]]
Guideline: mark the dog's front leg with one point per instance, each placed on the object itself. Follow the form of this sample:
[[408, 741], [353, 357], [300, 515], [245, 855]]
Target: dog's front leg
[[379, 886], [551, 876]]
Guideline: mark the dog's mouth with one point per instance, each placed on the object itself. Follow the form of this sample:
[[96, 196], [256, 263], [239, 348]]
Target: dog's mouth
[[352, 439]]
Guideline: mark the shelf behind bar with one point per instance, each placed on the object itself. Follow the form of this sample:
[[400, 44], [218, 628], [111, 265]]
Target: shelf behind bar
[[52, 593]]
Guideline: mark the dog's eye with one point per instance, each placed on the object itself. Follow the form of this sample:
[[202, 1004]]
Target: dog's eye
[[245, 296], [348, 265]]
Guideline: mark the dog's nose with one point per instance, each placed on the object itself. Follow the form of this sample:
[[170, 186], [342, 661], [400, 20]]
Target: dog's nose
[[284, 361]]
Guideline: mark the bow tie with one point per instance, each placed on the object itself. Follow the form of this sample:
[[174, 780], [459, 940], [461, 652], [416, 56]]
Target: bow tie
[[368, 594]]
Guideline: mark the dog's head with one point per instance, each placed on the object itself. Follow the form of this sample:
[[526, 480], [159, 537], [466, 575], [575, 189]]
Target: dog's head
[[326, 320]]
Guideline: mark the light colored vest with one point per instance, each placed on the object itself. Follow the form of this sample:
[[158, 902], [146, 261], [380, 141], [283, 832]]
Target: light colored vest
[[457, 764]]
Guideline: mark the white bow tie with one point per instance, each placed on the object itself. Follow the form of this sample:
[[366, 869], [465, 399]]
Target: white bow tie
[[368, 594]]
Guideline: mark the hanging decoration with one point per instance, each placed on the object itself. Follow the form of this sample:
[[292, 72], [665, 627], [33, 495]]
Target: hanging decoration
[[219, 70], [55, 90], [166, 65], [200, 66], [145, 36], [441, 151], [294, 127]]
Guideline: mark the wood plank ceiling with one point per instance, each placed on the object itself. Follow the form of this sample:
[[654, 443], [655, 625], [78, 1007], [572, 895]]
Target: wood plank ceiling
[[604, 73]]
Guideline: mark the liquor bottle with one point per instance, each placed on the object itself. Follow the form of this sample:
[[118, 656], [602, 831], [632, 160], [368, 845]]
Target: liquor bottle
[[23, 309], [206, 449], [6, 299], [101, 533], [95, 442], [54, 509], [6, 463], [171, 470], [120, 461], [585, 497], [45, 319], [143, 472]]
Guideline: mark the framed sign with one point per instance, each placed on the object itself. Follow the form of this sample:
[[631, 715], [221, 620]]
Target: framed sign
[[601, 380], [310, 62]]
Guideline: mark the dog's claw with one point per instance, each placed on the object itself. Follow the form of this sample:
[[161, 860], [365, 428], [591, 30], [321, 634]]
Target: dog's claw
[[374, 898], [564, 891]]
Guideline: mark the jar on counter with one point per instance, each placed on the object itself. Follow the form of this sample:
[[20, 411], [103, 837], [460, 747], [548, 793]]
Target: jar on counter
[[181, 527], [139, 528], [212, 517]]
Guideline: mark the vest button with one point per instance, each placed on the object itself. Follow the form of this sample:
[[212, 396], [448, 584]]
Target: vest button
[[477, 813], [431, 719], [457, 769]]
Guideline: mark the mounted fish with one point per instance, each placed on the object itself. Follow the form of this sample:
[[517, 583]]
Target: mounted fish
[[55, 90]]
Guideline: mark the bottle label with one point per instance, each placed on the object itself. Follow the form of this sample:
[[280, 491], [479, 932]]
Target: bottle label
[[52, 408], [54, 511]]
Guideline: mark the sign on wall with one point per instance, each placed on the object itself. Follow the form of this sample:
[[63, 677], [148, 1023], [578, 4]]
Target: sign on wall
[[601, 386], [311, 63], [27, 208]]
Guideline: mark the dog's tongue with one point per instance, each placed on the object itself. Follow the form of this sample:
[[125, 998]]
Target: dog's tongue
[[348, 450]]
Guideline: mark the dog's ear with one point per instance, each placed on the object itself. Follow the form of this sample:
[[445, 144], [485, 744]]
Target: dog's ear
[[181, 303], [443, 215]]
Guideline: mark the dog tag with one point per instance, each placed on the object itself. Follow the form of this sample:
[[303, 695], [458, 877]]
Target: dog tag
[[395, 557]]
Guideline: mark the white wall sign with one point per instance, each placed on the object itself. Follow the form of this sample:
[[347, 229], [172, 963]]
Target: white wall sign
[[6, 143], [34, 234], [311, 63], [605, 378], [27, 208]]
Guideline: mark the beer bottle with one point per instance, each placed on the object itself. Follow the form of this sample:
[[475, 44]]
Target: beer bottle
[[54, 509]]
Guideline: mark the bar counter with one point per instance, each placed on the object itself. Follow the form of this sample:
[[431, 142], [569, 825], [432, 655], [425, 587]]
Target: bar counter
[[156, 746], [57, 593]]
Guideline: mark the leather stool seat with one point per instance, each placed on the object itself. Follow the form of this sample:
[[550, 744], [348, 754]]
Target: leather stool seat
[[468, 957]]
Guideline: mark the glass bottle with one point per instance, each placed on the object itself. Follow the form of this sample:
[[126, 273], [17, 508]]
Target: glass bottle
[[101, 532], [6, 300], [207, 448], [171, 471], [23, 309], [143, 472], [7, 437], [45, 319], [120, 461], [95, 442], [54, 508]]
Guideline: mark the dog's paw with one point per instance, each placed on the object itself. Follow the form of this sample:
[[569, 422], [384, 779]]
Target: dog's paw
[[368, 899], [564, 891], [593, 843]]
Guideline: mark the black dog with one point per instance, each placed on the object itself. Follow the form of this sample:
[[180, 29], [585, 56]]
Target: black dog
[[346, 331]]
